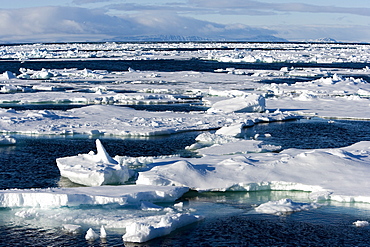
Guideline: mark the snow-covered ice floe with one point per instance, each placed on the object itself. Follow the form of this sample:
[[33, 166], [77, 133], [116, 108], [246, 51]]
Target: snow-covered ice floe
[[123, 121], [100, 195], [94, 169], [326, 173]]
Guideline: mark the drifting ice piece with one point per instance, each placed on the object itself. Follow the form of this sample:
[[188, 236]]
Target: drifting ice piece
[[284, 206], [157, 226], [103, 233], [7, 140], [93, 169], [91, 235]]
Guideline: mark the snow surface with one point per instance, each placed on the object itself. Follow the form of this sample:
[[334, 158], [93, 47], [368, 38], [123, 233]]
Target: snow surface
[[236, 98], [327, 173]]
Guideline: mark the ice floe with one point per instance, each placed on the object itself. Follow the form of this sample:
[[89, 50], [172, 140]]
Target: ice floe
[[327, 173], [284, 206], [94, 169], [100, 195], [155, 226]]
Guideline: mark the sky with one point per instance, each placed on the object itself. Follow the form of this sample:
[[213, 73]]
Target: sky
[[27, 21]]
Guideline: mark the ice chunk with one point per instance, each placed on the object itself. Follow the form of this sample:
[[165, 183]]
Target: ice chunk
[[284, 206], [157, 226], [247, 103], [91, 235], [93, 170], [8, 75], [43, 74], [361, 223], [7, 140], [103, 233]]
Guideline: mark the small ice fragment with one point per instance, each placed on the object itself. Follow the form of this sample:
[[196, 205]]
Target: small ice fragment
[[284, 206], [103, 233], [180, 205], [7, 140], [361, 223], [157, 226], [91, 235]]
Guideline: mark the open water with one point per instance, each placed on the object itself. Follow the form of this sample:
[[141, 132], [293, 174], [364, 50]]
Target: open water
[[31, 163]]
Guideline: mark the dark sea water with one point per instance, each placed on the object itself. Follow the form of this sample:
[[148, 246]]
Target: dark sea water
[[31, 164], [161, 65]]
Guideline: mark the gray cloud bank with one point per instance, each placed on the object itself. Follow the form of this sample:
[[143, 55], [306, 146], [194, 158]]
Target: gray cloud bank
[[72, 24], [75, 24]]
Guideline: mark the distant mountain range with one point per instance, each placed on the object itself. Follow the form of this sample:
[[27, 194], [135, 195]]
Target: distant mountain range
[[179, 38], [323, 40]]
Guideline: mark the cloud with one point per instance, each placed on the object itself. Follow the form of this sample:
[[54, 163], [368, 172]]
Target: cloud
[[53, 24], [61, 24], [80, 2], [239, 6], [76, 24]]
